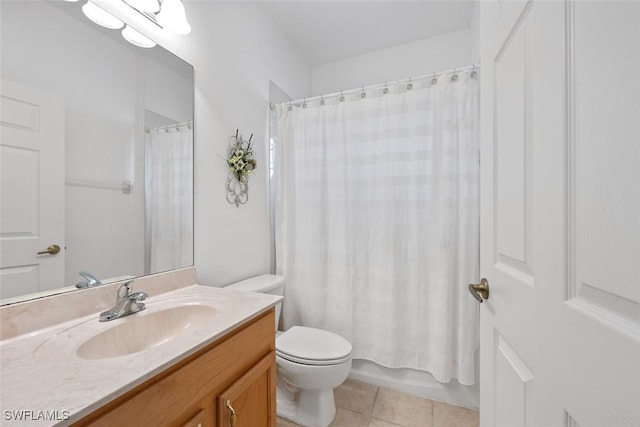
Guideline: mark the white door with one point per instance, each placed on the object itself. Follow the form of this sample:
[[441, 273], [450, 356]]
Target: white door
[[560, 226], [32, 158]]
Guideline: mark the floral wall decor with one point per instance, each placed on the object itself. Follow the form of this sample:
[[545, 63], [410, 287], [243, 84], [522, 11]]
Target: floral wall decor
[[241, 164]]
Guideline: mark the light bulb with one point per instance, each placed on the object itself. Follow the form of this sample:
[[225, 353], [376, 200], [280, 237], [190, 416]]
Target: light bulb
[[152, 6], [173, 18], [136, 38], [101, 16]]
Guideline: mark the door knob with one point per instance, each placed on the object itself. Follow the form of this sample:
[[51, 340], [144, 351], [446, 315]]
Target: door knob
[[480, 292], [51, 250]]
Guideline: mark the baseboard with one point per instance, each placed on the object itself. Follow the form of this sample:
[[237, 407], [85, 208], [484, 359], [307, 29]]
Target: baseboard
[[419, 383]]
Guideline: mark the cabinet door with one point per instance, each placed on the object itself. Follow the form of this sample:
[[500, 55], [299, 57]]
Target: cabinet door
[[251, 400], [196, 421]]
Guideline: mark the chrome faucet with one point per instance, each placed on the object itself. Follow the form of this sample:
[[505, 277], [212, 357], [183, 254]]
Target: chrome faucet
[[126, 303], [90, 281]]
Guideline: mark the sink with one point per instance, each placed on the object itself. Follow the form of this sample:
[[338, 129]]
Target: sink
[[143, 331]]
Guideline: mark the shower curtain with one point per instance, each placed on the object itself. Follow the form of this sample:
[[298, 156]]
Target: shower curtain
[[377, 222], [169, 198]]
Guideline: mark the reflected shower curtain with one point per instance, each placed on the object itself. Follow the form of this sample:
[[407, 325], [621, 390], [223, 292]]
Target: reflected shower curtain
[[169, 198], [377, 223]]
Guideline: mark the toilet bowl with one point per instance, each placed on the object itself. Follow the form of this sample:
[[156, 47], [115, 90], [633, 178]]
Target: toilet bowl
[[310, 363]]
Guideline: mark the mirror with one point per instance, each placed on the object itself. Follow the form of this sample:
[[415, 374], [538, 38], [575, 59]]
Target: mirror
[[96, 152]]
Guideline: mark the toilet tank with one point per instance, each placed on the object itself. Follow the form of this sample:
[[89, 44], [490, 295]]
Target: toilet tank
[[264, 284]]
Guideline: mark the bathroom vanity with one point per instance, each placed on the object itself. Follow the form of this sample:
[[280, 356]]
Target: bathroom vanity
[[196, 356], [237, 370]]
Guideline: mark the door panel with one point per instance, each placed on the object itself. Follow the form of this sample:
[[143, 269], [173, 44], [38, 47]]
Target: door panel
[[605, 157], [512, 375], [31, 190], [508, 218], [512, 139], [603, 285], [560, 214], [20, 191]]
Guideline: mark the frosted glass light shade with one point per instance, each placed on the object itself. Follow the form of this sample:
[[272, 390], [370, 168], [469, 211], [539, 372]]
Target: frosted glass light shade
[[101, 16], [173, 18], [135, 38], [152, 6]]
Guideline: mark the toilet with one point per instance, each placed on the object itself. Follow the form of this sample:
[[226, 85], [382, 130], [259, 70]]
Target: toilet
[[310, 363]]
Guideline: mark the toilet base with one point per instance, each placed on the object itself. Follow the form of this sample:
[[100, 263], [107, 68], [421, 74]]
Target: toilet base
[[310, 408]]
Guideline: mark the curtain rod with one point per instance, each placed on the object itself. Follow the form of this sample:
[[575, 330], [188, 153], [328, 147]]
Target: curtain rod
[[175, 126], [302, 101]]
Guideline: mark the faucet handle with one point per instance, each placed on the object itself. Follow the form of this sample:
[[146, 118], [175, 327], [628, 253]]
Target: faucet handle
[[124, 290]]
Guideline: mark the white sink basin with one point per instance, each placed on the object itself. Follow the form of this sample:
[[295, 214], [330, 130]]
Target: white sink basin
[[177, 319], [139, 332]]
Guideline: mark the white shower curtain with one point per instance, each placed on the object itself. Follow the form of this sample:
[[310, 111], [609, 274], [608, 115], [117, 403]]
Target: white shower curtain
[[169, 198], [377, 223]]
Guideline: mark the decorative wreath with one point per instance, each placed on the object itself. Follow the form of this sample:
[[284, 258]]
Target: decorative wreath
[[240, 159]]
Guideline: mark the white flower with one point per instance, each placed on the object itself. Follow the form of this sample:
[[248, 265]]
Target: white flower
[[240, 165]]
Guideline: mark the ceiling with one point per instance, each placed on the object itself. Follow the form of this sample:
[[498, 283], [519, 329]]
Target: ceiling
[[330, 30]]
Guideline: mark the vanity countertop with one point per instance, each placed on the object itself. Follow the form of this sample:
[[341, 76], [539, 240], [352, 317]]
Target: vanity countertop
[[46, 384]]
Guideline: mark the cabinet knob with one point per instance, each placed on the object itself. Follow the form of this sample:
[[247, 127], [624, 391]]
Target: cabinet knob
[[232, 413]]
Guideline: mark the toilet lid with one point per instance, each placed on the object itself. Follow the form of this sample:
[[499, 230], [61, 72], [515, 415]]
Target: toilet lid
[[312, 346]]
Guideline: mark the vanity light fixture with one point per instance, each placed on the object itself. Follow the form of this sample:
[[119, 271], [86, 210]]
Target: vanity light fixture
[[168, 15], [172, 17], [136, 38], [101, 16]]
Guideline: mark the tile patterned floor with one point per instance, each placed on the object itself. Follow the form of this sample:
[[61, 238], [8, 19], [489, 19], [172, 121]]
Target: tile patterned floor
[[360, 404]]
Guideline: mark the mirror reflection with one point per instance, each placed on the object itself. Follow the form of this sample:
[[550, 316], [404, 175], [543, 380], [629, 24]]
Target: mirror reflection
[[96, 153]]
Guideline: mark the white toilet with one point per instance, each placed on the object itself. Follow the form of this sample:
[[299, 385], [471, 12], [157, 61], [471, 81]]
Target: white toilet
[[310, 363]]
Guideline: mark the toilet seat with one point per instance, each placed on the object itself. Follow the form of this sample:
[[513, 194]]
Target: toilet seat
[[311, 346]]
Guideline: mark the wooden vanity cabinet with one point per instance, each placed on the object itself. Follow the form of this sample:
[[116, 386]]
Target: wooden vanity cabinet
[[235, 374], [246, 403]]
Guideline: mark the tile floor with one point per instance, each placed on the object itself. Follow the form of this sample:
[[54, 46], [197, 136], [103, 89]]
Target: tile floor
[[360, 404]]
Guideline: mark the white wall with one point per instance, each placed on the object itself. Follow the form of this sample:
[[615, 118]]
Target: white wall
[[474, 30], [236, 50], [168, 91], [413, 59]]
